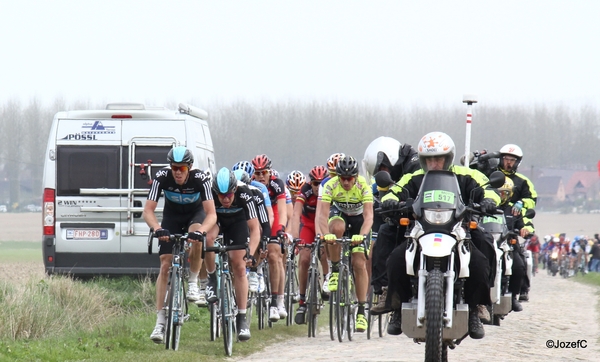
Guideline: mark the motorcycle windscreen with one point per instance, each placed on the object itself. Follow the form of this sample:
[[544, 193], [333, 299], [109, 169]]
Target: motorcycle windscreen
[[494, 224], [439, 190]]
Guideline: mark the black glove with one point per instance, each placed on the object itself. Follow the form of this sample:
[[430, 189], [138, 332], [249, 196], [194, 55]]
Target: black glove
[[488, 206], [390, 205], [281, 232], [196, 235], [162, 232]]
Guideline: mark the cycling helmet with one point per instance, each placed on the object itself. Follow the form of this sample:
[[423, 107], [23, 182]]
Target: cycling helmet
[[383, 151], [347, 166], [244, 165], [275, 173], [436, 144], [318, 173], [333, 160], [547, 238], [242, 175], [180, 154], [225, 181], [506, 191], [261, 162], [295, 181], [512, 150]]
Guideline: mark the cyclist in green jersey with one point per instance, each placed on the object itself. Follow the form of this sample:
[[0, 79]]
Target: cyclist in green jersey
[[347, 206]]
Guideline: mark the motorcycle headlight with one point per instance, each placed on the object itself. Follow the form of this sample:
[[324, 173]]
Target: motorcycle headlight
[[554, 254], [438, 216]]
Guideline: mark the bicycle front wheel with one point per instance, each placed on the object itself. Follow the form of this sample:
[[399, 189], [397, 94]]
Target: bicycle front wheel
[[313, 304], [179, 310], [170, 303], [343, 303], [333, 301], [289, 292], [227, 315]]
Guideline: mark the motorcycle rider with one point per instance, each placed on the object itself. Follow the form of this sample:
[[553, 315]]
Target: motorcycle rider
[[386, 154], [436, 152]]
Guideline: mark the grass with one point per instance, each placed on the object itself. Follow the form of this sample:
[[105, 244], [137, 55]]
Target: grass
[[104, 319], [25, 251]]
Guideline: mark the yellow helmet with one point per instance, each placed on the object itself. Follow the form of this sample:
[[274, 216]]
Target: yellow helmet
[[506, 191]]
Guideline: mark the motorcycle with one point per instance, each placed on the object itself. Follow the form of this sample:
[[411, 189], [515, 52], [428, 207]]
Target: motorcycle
[[505, 236], [553, 262], [439, 314]]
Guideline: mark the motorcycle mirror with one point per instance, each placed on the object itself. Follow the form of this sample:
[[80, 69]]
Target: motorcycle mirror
[[383, 179], [530, 213], [497, 179]]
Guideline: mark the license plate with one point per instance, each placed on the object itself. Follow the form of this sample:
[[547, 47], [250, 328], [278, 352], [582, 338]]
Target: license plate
[[89, 234]]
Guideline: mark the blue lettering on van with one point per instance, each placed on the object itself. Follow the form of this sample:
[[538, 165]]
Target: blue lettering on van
[[98, 128], [80, 137], [181, 198]]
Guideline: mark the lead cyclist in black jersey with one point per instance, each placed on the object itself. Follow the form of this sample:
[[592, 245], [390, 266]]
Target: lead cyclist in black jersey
[[189, 208]]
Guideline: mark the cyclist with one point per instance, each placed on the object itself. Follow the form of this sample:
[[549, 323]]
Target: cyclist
[[237, 220], [436, 152], [534, 246], [263, 218], [386, 154], [294, 183], [303, 227], [262, 173], [347, 201], [189, 208], [331, 163]]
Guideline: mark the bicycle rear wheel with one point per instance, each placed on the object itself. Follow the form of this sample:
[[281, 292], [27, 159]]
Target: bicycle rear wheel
[[226, 313], [333, 302], [352, 307]]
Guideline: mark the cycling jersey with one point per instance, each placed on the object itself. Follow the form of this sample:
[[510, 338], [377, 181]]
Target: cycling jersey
[[232, 221], [276, 189], [264, 191], [181, 199], [309, 201], [349, 202], [263, 216]]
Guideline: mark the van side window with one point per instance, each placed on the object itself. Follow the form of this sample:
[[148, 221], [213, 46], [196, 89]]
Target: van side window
[[86, 166], [142, 179]]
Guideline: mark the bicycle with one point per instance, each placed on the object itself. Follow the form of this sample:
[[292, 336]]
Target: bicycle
[[175, 298], [291, 292], [227, 308], [314, 299], [382, 320], [343, 302], [263, 300]]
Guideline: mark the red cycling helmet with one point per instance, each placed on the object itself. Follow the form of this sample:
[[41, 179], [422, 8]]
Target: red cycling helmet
[[261, 162], [318, 173]]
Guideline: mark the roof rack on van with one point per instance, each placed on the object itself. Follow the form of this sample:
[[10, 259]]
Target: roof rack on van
[[193, 111], [126, 106]]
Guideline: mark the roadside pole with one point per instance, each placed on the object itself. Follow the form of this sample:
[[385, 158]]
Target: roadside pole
[[469, 99]]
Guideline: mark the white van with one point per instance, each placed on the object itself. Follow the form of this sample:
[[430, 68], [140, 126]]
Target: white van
[[98, 168]]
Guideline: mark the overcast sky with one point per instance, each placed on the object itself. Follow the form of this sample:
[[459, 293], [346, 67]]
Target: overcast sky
[[409, 52]]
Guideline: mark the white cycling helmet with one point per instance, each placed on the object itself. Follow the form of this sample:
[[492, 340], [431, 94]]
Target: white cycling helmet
[[436, 144], [381, 151]]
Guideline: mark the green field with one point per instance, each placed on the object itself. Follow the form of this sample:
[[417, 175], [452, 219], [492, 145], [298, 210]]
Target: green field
[[20, 251]]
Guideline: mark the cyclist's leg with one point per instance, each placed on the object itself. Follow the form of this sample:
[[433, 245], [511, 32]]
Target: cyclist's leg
[[337, 226], [209, 261], [195, 255]]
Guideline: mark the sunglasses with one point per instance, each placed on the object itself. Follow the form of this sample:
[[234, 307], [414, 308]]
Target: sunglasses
[[347, 178], [179, 168], [315, 183], [261, 173], [509, 159], [228, 195]]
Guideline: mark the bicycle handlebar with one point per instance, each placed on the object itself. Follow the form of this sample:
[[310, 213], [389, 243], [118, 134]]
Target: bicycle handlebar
[[172, 238]]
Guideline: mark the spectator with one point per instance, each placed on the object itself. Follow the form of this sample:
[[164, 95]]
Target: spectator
[[595, 266]]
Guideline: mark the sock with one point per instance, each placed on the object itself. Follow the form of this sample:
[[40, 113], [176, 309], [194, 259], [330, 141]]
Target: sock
[[335, 266], [203, 283], [241, 311], [212, 275], [273, 300], [193, 277], [160, 317], [280, 300], [361, 308], [302, 298]]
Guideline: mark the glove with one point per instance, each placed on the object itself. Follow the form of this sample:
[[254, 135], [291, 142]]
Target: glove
[[281, 232], [357, 239], [488, 206], [329, 237], [196, 236], [516, 209], [162, 233], [390, 205]]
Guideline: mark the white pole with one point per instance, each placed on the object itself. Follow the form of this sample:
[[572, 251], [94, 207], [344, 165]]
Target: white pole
[[469, 99]]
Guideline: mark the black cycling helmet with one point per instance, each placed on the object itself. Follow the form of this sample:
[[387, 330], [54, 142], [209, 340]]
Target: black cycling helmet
[[347, 166], [225, 181], [180, 154]]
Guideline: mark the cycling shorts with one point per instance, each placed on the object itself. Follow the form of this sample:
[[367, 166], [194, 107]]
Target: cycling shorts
[[353, 225], [178, 224]]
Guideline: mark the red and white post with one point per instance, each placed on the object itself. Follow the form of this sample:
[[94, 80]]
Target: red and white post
[[469, 99]]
